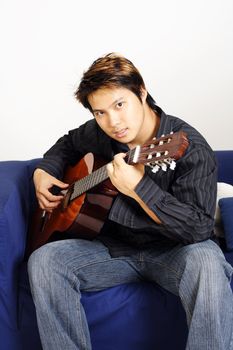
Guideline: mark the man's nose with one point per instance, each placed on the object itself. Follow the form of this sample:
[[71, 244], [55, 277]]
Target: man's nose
[[113, 119]]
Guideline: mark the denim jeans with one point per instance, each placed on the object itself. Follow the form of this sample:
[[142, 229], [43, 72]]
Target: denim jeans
[[198, 273]]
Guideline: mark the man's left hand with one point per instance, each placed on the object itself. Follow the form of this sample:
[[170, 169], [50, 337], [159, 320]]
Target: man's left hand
[[123, 176]]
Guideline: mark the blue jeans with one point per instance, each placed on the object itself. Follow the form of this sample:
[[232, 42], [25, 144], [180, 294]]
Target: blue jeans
[[198, 273]]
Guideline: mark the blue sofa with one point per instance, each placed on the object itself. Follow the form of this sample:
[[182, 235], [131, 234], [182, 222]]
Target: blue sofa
[[127, 317]]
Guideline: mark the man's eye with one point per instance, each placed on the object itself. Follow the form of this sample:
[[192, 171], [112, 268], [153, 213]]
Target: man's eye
[[98, 113], [120, 105]]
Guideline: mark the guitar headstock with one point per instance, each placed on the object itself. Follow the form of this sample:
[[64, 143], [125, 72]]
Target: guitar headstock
[[161, 152]]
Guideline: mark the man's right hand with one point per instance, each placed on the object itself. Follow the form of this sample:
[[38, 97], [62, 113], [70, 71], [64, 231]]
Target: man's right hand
[[43, 184]]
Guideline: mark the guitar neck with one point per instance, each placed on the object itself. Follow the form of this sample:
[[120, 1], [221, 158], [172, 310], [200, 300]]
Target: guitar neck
[[83, 185]]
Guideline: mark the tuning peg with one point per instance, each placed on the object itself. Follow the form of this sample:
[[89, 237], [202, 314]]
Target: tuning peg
[[155, 168], [163, 167], [172, 165]]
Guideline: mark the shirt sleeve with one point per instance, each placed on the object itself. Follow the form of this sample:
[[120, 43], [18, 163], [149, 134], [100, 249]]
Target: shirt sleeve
[[70, 148], [186, 208]]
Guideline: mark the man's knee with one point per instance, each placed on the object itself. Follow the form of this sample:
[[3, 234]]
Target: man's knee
[[41, 263]]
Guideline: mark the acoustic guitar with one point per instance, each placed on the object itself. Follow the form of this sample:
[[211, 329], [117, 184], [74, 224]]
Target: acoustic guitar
[[87, 201]]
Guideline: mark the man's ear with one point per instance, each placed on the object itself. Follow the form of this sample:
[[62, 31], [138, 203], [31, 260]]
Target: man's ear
[[143, 95]]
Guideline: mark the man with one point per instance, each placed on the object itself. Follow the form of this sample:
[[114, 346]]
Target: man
[[160, 225]]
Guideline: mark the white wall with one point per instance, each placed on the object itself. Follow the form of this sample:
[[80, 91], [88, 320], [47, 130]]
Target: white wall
[[184, 50]]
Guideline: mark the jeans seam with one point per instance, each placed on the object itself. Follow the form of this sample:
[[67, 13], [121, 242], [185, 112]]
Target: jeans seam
[[82, 333]]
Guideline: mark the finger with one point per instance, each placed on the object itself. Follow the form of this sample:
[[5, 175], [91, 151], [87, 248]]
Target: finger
[[119, 156], [53, 198], [48, 206], [60, 184], [47, 195], [119, 159], [110, 168]]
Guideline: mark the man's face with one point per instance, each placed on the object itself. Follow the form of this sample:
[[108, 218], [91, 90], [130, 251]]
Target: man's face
[[119, 113]]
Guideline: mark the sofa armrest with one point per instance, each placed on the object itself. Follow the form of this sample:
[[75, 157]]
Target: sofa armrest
[[16, 198], [225, 168]]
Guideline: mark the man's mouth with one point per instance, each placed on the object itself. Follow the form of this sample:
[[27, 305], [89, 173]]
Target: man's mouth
[[121, 133]]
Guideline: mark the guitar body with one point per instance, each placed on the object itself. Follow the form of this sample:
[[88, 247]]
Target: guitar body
[[83, 217]]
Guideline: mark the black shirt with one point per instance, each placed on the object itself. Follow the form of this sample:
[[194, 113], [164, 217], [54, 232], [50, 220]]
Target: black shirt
[[183, 199]]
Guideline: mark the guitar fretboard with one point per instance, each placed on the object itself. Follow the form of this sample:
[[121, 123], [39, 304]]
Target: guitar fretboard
[[89, 181]]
